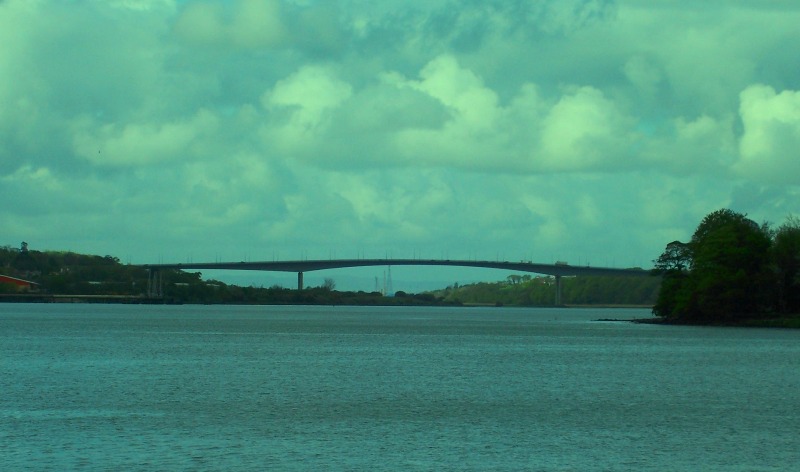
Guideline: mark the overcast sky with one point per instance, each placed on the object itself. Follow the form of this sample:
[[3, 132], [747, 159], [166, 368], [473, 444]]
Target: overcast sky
[[587, 131]]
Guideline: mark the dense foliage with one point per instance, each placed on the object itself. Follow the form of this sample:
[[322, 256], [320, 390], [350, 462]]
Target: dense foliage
[[731, 269], [68, 272], [540, 291]]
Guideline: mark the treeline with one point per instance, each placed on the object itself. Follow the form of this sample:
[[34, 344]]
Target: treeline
[[731, 270], [541, 291], [216, 292], [69, 273], [65, 272]]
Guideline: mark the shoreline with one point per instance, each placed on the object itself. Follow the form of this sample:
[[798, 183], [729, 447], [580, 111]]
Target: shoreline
[[783, 322]]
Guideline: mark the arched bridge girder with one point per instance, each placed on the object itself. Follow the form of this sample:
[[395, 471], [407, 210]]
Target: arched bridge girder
[[555, 270], [562, 270]]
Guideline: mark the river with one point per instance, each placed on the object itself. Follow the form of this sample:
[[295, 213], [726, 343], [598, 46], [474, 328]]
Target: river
[[235, 388]]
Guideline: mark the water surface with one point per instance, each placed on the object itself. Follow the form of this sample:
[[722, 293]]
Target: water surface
[[113, 387]]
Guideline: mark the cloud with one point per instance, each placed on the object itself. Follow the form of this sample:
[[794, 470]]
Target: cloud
[[645, 75], [682, 146], [581, 131], [259, 25], [302, 107], [459, 89], [143, 5], [67, 61], [468, 135], [770, 143], [137, 144], [242, 23], [446, 117], [547, 129]]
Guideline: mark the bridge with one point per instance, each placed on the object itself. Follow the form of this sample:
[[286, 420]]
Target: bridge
[[556, 270]]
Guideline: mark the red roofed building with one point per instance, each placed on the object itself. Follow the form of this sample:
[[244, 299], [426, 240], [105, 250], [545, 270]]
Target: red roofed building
[[21, 285]]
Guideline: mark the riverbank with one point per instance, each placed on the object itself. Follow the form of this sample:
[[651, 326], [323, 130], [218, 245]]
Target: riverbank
[[65, 298], [787, 321]]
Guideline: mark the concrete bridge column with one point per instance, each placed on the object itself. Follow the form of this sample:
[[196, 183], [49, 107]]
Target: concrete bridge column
[[299, 281]]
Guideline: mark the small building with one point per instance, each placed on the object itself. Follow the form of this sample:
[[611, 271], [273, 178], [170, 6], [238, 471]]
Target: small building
[[20, 284]]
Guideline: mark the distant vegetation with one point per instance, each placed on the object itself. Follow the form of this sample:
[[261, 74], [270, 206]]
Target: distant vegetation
[[78, 274], [59, 272], [528, 290], [68, 272], [732, 270]]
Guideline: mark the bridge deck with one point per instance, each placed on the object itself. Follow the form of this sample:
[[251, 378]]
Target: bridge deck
[[312, 265]]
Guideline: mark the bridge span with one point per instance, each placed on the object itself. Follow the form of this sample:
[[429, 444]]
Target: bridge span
[[557, 270]]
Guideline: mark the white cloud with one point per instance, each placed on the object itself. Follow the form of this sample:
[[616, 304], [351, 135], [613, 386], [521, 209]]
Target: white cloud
[[243, 23], [473, 105], [312, 90], [770, 144], [470, 137], [550, 127], [41, 178], [136, 144], [581, 131], [301, 108]]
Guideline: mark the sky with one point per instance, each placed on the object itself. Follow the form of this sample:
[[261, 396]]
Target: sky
[[586, 131]]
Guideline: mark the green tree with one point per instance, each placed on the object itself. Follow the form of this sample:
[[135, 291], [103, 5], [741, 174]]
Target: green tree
[[676, 258], [729, 267], [728, 273], [328, 284], [786, 257]]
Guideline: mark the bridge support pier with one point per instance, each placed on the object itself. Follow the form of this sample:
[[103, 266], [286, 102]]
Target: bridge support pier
[[558, 290], [299, 281]]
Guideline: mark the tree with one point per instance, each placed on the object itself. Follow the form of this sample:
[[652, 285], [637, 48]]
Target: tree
[[514, 279], [329, 284], [672, 266], [729, 267], [786, 257], [676, 257], [728, 274]]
